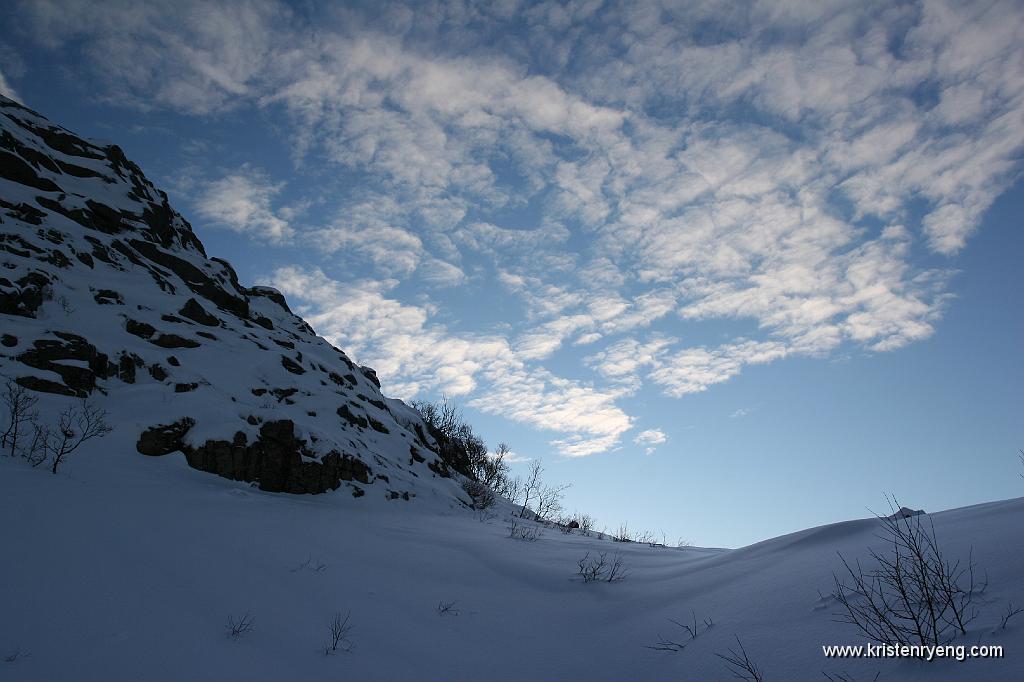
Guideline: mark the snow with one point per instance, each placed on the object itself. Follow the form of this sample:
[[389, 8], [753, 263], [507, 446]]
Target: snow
[[128, 568]]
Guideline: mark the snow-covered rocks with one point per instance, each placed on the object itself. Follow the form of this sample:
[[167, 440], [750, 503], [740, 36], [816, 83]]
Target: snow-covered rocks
[[107, 293]]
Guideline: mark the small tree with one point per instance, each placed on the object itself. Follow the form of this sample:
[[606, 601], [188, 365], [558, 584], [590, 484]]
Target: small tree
[[75, 425], [914, 594], [340, 629], [19, 404]]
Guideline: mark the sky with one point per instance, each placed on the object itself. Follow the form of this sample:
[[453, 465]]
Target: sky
[[732, 269]]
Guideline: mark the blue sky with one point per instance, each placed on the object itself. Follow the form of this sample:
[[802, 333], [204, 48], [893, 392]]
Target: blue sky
[[732, 269]]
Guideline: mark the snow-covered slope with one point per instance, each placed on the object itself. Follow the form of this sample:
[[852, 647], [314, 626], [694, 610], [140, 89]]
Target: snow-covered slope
[[131, 573], [106, 292]]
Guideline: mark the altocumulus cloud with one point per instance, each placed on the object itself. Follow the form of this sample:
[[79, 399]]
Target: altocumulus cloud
[[620, 169]]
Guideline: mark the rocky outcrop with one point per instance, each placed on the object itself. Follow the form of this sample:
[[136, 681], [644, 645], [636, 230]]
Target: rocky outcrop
[[276, 461], [51, 355], [164, 439], [101, 280]]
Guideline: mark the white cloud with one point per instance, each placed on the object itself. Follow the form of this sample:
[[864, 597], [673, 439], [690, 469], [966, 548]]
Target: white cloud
[[7, 90], [242, 202], [650, 439], [809, 169], [415, 355]]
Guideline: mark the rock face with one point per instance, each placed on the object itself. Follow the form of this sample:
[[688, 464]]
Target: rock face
[[277, 461], [106, 292]]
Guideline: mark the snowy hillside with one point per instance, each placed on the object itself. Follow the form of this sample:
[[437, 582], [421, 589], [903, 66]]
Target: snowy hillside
[[132, 573], [107, 292]]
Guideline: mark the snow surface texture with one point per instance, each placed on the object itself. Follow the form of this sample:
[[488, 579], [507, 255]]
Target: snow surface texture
[[105, 291], [130, 570], [127, 567]]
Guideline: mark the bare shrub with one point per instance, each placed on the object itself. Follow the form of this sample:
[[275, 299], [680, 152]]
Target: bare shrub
[[692, 630], [75, 425], [447, 608], [585, 521], [19, 406], [480, 494], [601, 568], [683, 543], [739, 664], [523, 531], [914, 594], [339, 628], [236, 627], [16, 655], [1010, 613]]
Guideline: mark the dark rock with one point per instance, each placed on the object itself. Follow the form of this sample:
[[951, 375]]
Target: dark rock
[[139, 329], [9, 341], [157, 372], [174, 341], [108, 297], [14, 168], [352, 419], [291, 365], [127, 363], [44, 386], [273, 294], [26, 295], [275, 461], [263, 322], [371, 375], [47, 354], [197, 313], [197, 280], [377, 426], [173, 361], [185, 388], [165, 438]]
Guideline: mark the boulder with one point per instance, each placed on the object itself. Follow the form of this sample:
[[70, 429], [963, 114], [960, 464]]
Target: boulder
[[164, 438]]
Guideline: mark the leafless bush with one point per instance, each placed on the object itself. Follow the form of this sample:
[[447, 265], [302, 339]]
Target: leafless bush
[[447, 608], [586, 523], [914, 595], [75, 425], [683, 543], [692, 630], [236, 627], [534, 497], [623, 534], [35, 453], [16, 655], [1010, 613], [602, 568], [481, 495], [740, 665], [19, 405], [339, 629], [314, 566], [523, 531]]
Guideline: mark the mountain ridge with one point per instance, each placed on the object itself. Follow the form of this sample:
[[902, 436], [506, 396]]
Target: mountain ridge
[[108, 293]]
